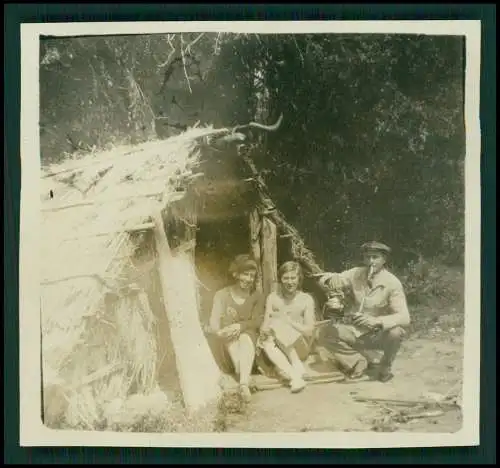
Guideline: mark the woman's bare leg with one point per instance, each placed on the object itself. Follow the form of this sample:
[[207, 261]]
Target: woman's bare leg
[[277, 357], [242, 353], [247, 357], [295, 361], [233, 348]]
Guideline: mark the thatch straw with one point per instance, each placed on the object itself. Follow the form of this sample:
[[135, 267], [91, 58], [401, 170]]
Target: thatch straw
[[83, 267]]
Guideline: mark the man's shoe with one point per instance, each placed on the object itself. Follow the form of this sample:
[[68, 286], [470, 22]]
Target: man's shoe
[[384, 375], [358, 371], [372, 370]]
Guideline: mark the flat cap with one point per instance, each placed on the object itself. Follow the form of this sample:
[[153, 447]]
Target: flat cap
[[376, 246]]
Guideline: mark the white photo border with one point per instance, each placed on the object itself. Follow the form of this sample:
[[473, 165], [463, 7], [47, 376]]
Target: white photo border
[[32, 431]]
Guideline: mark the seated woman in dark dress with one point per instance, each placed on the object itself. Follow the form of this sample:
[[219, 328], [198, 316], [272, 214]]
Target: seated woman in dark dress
[[237, 313]]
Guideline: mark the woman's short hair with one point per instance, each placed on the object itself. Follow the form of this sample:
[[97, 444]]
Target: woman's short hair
[[288, 267], [242, 263]]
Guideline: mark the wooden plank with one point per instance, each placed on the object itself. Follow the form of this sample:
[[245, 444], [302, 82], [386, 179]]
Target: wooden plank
[[269, 255], [198, 372], [255, 231]]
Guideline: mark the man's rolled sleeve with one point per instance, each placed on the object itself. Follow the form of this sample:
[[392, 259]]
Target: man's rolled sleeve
[[400, 315], [346, 278]]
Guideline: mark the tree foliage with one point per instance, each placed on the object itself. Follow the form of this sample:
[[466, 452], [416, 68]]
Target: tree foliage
[[373, 140], [373, 144]]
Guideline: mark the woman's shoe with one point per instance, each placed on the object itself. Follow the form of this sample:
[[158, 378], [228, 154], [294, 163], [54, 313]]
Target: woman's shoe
[[245, 393], [297, 385]]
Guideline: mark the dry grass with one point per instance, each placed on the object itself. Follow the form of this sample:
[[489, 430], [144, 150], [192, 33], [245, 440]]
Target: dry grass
[[114, 355], [98, 334], [154, 413]]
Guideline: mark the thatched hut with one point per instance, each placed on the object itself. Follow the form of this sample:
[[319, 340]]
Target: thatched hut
[[136, 240]]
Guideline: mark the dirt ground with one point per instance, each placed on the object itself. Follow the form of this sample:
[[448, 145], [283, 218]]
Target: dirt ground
[[425, 368]]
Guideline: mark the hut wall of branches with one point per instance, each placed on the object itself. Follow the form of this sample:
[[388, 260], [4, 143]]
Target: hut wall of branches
[[135, 243]]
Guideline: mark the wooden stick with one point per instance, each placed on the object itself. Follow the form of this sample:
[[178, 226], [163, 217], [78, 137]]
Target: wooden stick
[[139, 227], [268, 212], [330, 377], [76, 169], [99, 374], [101, 201], [273, 386], [322, 322], [95, 276], [319, 429], [401, 402], [314, 381], [427, 414]]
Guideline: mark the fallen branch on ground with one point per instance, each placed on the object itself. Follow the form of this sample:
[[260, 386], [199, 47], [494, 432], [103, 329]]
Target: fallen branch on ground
[[327, 377], [410, 403], [427, 414]]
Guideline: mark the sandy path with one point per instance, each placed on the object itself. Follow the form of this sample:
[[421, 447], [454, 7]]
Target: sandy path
[[423, 366]]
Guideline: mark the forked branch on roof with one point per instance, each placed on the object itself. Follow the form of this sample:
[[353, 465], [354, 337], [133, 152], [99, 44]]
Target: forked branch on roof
[[234, 134], [269, 128]]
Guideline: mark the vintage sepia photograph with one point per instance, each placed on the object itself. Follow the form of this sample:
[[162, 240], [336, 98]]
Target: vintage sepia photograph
[[262, 230]]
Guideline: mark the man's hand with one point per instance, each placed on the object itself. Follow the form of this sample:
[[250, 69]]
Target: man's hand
[[332, 281], [230, 332], [366, 321]]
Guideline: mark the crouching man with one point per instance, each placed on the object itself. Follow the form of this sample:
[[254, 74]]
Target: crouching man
[[376, 320]]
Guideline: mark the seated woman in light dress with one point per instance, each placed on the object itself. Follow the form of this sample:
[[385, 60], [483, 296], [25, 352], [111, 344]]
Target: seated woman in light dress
[[237, 314], [289, 322]]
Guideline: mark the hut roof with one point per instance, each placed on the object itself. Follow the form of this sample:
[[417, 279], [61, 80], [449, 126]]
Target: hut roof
[[89, 205]]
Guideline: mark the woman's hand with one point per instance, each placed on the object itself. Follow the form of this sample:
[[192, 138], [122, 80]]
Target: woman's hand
[[265, 331], [301, 328]]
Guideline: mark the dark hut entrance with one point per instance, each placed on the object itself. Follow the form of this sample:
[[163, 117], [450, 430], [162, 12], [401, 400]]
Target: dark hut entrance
[[217, 243], [223, 205]]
